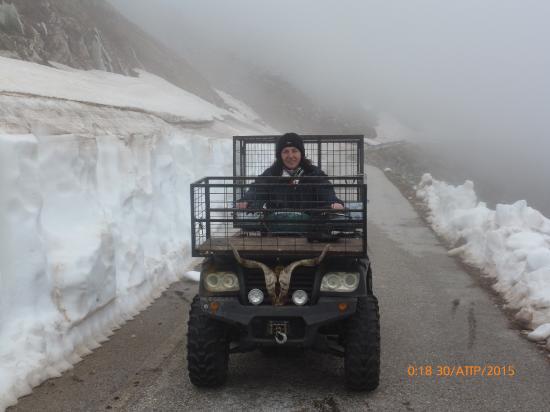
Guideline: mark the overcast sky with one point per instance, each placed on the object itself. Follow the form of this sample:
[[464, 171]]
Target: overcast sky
[[460, 72]]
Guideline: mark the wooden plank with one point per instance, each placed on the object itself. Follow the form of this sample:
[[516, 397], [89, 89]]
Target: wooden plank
[[280, 244]]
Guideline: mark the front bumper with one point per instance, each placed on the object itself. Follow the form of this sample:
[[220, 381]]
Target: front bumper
[[304, 321]]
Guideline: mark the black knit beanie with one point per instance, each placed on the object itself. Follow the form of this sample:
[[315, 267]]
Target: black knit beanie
[[290, 140]]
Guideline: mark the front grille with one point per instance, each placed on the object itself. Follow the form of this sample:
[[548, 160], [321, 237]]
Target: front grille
[[302, 278]]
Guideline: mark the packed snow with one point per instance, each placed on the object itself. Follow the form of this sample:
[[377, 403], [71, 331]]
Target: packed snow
[[147, 92], [239, 110], [510, 244], [94, 212], [389, 130], [193, 275]]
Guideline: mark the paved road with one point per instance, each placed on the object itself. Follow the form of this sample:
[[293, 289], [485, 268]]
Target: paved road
[[433, 313]]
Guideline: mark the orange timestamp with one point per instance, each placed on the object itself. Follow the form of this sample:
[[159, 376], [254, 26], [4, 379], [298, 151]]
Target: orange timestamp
[[466, 371]]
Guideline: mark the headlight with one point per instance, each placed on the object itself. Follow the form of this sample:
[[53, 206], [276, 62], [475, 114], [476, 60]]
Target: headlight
[[221, 282], [299, 297], [340, 282], [255, 296]]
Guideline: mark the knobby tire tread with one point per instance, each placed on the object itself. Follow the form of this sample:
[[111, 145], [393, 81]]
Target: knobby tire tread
[[207, 348], [362, 353]]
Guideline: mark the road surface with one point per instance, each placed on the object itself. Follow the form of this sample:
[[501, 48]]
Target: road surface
[[433, 314]]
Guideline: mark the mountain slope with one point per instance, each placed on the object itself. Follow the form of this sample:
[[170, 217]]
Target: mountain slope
[[91, 34]]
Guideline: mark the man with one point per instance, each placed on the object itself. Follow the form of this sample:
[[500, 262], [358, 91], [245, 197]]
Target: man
[[296, 193]]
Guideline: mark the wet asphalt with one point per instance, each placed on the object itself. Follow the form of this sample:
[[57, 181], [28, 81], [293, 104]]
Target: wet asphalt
[[435, 316]]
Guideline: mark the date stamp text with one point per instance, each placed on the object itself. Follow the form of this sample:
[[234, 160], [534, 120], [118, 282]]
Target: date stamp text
[[466, 371]]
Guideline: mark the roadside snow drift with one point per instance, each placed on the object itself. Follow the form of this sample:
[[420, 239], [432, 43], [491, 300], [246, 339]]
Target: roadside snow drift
[[510, 244], [92, 230], [94, 223]]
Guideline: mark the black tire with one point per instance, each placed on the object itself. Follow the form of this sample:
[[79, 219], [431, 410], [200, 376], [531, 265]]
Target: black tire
[[207, 348], [362, 346]]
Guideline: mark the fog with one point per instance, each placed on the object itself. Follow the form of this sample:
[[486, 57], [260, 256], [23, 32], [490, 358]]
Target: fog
[[469, 78]]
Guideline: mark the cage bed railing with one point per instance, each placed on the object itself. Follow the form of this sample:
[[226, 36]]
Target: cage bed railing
[[337, 155], [294, 219]]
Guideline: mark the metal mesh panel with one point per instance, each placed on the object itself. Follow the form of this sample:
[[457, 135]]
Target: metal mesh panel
[[273, 215], [339, 155]]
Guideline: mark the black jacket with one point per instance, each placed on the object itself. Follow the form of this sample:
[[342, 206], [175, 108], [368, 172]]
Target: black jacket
[[310, 190]]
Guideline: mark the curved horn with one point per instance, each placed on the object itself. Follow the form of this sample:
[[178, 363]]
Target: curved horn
[[286, 273], [269, 275]]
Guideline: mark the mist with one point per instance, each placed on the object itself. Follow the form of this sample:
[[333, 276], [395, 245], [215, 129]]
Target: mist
[[469, 79]]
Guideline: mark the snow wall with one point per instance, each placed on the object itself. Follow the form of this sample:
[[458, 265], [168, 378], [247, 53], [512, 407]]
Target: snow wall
[[92, 230], [510, 244]]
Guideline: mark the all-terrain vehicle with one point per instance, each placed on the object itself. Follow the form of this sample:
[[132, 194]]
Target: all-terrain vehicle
[[284, 274]]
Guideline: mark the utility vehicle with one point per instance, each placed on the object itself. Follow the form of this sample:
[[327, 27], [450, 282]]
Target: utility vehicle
[[290, 276]]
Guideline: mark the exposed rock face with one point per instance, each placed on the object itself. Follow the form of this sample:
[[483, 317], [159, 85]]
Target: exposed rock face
[[90, 34], [10, 19]]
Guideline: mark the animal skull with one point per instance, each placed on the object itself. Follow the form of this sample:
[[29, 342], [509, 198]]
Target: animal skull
[[280, 275]]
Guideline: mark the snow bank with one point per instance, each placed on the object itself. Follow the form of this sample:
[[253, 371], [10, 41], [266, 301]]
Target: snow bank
[[94, 211], [193, 275], [389, 130], [147, 92], [240, 110], [510, 244], [92, 230]]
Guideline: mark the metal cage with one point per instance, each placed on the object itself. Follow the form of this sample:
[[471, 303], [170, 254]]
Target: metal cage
[[281, 215], [337, 155]]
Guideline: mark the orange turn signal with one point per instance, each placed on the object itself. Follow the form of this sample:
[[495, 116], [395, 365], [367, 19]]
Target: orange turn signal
[[342, 307], [214, 306]]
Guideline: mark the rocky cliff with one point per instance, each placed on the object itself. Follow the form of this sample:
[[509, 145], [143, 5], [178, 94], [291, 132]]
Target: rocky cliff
[[90, 34]]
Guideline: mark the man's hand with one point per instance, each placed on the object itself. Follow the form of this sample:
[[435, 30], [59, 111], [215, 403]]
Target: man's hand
[[241, 205], [337, 206]]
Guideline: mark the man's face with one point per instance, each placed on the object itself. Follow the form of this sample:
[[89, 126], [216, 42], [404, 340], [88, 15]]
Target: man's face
[[291, 157]]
